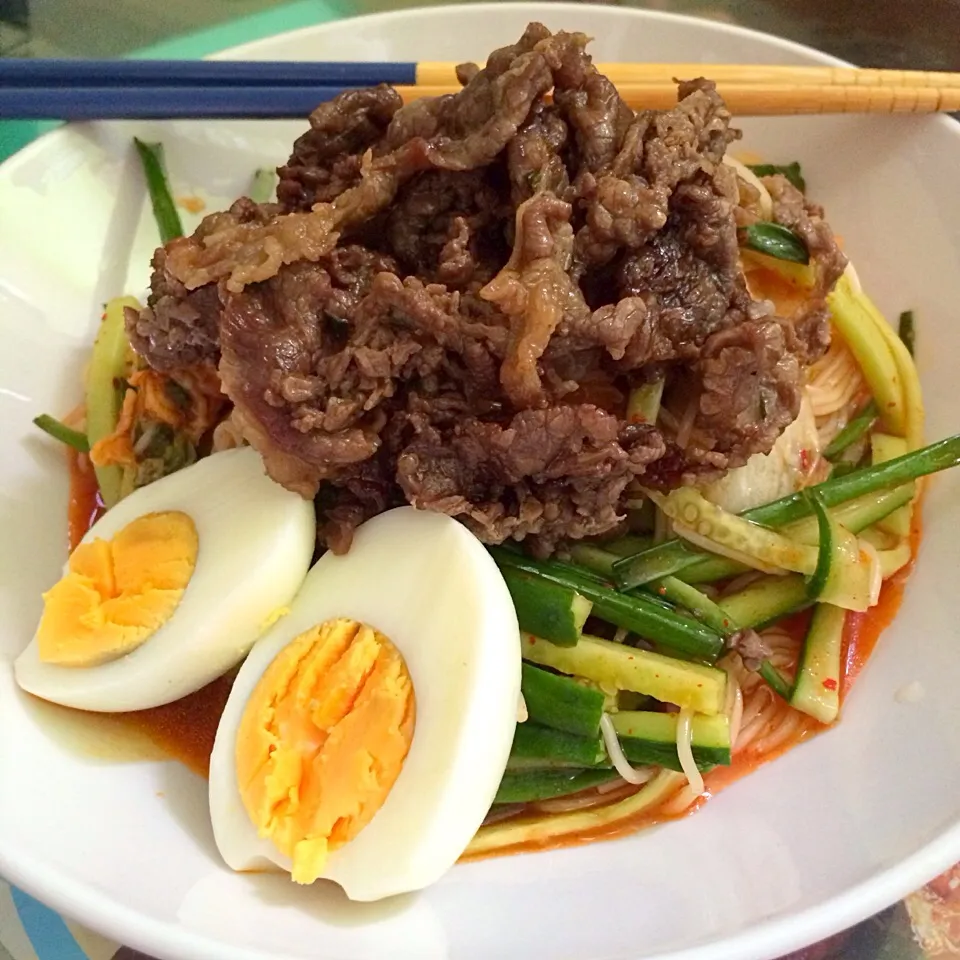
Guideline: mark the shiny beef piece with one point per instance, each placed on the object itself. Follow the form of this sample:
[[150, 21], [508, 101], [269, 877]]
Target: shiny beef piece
[[453, 298]]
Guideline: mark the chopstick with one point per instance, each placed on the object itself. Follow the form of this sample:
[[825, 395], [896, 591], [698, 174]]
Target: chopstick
[[101, 73], [163, 103], [212, 89]]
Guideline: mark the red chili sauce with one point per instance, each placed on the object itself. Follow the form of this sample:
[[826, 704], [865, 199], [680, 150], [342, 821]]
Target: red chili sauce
[[185, 729]]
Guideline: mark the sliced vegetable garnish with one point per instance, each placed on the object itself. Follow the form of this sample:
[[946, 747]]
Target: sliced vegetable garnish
[[651, 738], [698, 603], [884, 448], [697, 519], [843, 573], [109, 366], [527, 786], [63, 433], [619, 667], [560, 702], [263, 185], [776, 241], [537, 746], [550, 610], [512, 833], [676, 555], [161, 199], [860, 331], [766, 601], [791, 171], [817, 688], [643, 404], [855, 430], [777, 682], [641, 615]]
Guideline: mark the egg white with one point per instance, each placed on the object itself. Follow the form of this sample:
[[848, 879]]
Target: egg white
[[429, 586], [256, 540]]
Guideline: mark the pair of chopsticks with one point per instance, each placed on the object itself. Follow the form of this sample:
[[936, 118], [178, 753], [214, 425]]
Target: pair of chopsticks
[[199, 89]]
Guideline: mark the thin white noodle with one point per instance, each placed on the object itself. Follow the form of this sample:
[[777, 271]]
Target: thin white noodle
[[835, 380], [876, 573], [610, 785], [611, 741], [780, 733], [682, 799], [733, 707], [688, 533], [685, 750], [584, 800]]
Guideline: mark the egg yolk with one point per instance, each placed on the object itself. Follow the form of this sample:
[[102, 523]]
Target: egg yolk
[[322, 740], [117, 593]]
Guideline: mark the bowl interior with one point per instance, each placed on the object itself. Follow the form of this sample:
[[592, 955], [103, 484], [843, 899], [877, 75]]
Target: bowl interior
[[111, 834]]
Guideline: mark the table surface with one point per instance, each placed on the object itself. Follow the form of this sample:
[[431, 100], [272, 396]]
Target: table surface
[[918, 34]]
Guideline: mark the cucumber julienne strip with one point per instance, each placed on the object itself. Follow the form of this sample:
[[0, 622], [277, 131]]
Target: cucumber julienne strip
[[617, 666], [675, 555], [641, 615], [527, 786], [551, 611], [855, 515], [854, 322], [560, 702], [538, 746], [511, 833]]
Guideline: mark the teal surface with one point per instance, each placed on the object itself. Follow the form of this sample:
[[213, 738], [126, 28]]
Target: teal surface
[[15, 134]]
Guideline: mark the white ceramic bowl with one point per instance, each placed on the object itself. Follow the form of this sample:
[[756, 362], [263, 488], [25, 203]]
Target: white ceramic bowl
[[811, 843]]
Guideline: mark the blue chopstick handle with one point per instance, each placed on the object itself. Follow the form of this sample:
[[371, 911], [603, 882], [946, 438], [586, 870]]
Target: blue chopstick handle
[[106, 73], [161, 103]]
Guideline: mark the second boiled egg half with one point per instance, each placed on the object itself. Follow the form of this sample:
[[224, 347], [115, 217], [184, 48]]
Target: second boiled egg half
[[366, 734]]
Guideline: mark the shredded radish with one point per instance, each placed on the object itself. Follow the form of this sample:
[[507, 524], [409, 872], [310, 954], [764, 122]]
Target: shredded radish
[[685, 750], [705, 543], [620, 635], [876, 573], [612, 742]]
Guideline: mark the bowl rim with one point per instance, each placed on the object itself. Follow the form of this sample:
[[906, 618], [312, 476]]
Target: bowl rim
[[761, 941]]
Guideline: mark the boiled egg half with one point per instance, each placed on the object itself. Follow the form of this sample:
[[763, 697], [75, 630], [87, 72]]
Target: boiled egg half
[[170, 588], [367, 732]]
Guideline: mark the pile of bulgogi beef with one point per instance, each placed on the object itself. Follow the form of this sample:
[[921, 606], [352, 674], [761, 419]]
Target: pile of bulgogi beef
[[452, 299]]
